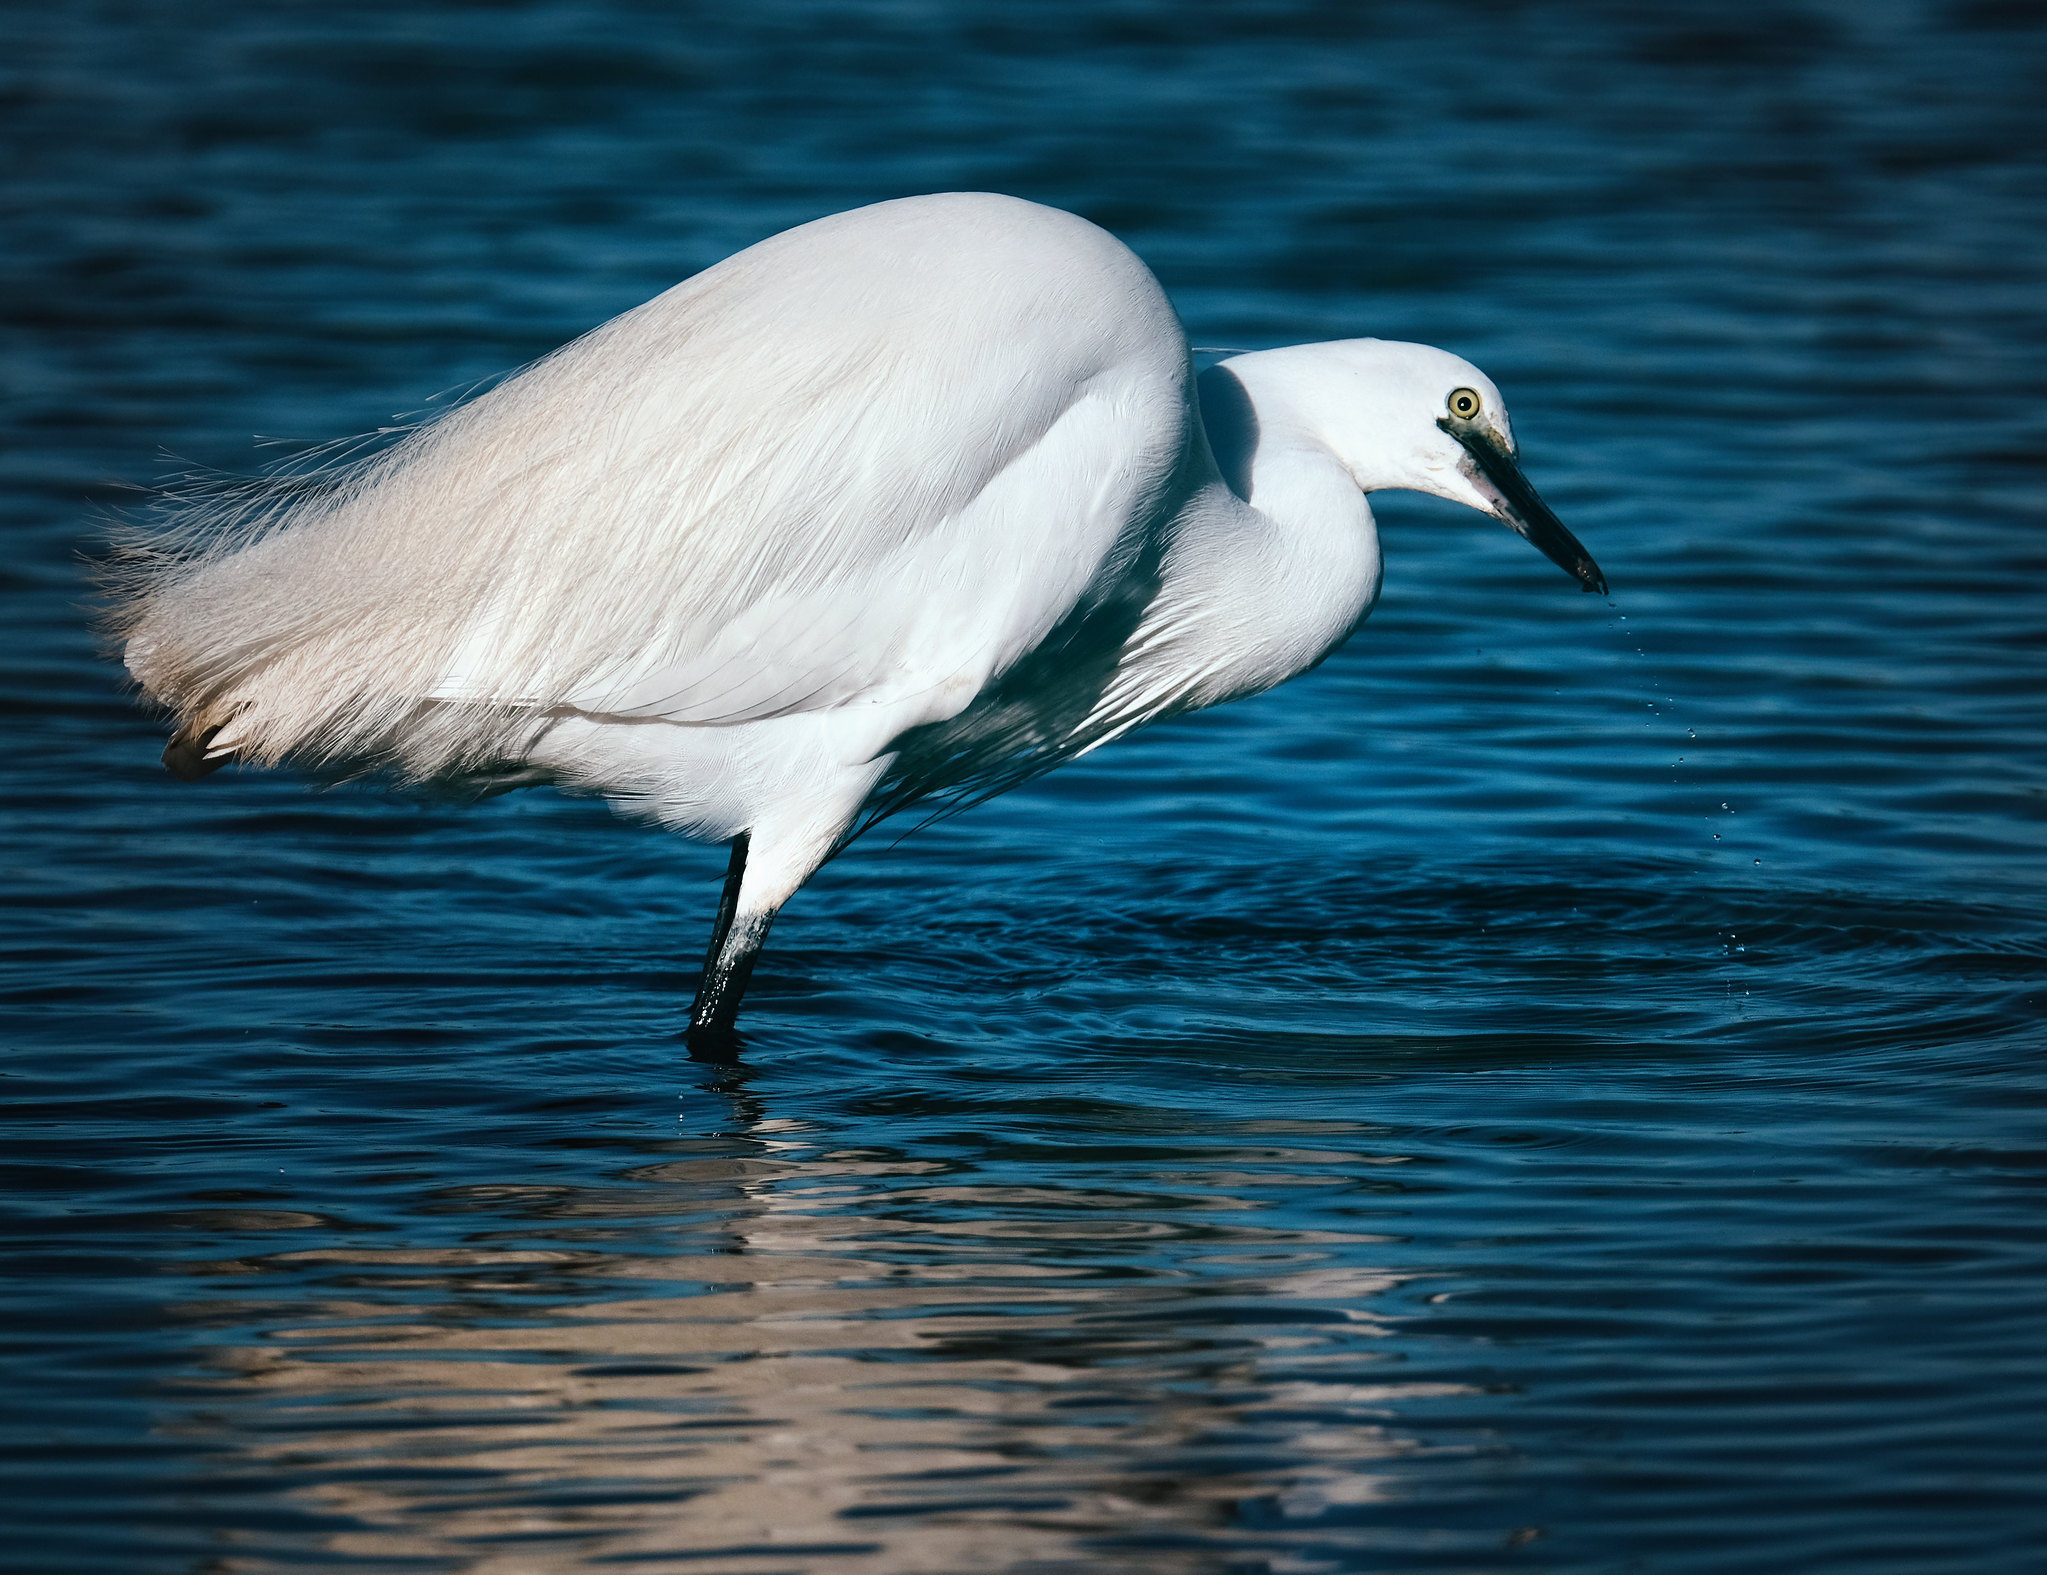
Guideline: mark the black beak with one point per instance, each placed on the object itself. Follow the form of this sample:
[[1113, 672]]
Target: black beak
[[1525, 512]]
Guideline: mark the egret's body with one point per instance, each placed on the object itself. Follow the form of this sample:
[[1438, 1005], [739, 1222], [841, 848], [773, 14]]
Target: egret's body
[[918, 499]]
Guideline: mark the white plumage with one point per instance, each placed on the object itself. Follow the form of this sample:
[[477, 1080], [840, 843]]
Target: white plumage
[[912, 500]]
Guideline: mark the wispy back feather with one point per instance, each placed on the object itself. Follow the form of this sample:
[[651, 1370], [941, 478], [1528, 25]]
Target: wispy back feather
[[734, 449]]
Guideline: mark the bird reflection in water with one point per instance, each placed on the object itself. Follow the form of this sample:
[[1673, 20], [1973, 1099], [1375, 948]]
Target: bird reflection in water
[[751, 1355]]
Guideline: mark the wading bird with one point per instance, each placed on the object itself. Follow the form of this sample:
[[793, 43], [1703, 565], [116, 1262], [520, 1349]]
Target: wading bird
[[909, 503]]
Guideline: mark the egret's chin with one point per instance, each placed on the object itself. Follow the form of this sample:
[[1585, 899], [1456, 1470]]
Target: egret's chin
[[1516, 504]]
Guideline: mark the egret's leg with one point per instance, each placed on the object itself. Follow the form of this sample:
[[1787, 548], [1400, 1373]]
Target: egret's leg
[[717, 1002], [728, 902], [771, 859], [729, 962]]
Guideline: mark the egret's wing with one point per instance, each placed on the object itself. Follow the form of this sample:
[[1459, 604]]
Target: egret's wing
[[933, 604], [874, 457], [857, 585]]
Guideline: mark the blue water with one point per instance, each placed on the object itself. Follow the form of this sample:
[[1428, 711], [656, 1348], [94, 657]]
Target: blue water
[[1558, 1087]]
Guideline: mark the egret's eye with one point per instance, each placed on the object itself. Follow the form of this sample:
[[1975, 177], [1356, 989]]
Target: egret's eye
[[1465, 403]]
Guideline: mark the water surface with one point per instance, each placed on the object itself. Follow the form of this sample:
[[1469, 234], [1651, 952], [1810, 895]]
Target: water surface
[[1558, 1087]]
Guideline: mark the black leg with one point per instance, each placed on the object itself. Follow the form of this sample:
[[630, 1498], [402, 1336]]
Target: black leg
[[728, 905], [717, 1002], [729, 963]]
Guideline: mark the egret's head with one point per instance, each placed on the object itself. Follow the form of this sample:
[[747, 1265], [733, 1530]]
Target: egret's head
[[1411, 417]]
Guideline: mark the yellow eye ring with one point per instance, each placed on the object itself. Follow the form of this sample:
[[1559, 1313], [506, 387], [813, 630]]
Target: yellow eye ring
[[1465, 403]]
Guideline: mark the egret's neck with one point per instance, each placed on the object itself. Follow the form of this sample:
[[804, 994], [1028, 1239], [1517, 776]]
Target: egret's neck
[[1276, 562], [1272, 457]]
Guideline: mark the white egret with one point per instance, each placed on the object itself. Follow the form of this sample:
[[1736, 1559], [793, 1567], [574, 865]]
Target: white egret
[[909, 502]]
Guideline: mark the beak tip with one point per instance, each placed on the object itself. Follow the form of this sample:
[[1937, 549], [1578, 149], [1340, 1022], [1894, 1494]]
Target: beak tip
[[1521, 509]]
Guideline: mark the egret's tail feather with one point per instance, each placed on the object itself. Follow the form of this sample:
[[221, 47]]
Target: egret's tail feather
[[285, 619], [186, 756]]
